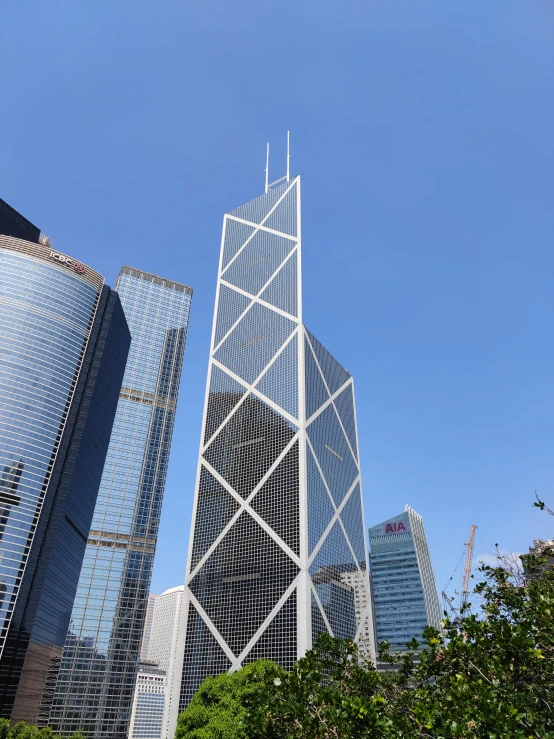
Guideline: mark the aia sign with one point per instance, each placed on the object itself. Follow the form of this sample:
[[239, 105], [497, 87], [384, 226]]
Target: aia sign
[[397, 527]]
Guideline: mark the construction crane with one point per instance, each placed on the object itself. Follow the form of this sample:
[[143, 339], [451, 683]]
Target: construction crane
[[467, 566], [467, 556]]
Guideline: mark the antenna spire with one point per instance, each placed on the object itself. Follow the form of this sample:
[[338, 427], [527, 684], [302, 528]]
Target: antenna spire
[[267, 169], [268, 184]]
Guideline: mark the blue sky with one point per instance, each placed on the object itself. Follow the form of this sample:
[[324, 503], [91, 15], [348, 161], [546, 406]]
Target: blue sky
[[423, 133]]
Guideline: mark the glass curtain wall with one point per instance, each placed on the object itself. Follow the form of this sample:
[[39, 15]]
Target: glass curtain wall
[[95, 687], [404, 590], [278, 526], [56, 320]]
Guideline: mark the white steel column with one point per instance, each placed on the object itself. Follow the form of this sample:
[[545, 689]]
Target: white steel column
[[303, 591]]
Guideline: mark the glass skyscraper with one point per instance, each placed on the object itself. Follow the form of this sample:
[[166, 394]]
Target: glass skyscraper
[[63, 346], [278, 517], [95, 686], [403, 586]]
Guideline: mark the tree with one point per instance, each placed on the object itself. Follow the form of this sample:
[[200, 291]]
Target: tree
[[21, 730], [219, 709], [488, 675]]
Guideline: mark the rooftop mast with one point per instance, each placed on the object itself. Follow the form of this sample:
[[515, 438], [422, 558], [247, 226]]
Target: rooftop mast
[[267, 169], [281, 179]]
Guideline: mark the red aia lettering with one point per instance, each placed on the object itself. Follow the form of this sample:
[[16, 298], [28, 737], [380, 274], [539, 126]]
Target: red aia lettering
[[395, 528]]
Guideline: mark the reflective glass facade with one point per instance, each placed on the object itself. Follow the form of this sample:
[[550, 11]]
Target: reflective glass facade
[[278, 529], [403, 586], [95, 687], [63, 346]]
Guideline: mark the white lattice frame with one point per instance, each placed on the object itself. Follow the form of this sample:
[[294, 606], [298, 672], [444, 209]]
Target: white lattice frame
[[302, 583]]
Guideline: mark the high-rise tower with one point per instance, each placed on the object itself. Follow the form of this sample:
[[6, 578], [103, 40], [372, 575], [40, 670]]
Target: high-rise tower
[[278, 514], [403, 586], [96, 682], [63, 345]]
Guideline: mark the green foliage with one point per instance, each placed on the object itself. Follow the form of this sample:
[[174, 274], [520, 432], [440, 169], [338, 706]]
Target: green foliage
[[488, 675], [22, 730], [219, 710]]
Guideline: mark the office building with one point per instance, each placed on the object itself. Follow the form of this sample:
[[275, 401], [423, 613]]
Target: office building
[[164, 646], [278, 509], [403, 587], [147, 626], [149, 701], [95, 687], [63, 345]]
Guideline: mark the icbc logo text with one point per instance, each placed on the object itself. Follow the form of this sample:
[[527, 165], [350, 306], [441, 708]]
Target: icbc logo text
[[77, 266]]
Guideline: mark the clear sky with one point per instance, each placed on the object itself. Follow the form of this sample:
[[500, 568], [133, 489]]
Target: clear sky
[[424, 135]]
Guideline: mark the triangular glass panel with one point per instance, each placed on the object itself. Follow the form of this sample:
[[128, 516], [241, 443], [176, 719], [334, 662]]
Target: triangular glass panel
[[334, 373], [351, 517], [320, 508], [236, 233], [230, 306], [223, 396], [284, 217], [215, 508], [331, 573], [257, 262], [316, 393], [318, 622], [278, 500], [256, 210], [203, 656], [344, 403], [280, 382], [278, 641], [282, 291], [249, 444], [254, 341], [242, 581], [333, 454]]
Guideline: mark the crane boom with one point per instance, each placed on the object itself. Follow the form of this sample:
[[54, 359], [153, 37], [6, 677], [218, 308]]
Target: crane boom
[[467, 564]]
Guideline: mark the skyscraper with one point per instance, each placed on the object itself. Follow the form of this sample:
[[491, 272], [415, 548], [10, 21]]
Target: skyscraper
[[403, 586], [147, 626], [278, 511], [63, 346], [95, 686], [168, 631], [164, 648]]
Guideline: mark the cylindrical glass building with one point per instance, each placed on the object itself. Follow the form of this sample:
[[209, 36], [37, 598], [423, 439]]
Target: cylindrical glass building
[[63, 346]]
